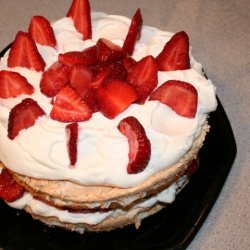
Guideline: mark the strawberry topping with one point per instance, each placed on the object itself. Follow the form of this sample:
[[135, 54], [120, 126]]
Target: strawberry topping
[[13, 84], [180, 96], [134, 33], [72, 137], [80, 13], [175, 54], [139, 144], [193, 166], [24, 53], [143, 77], [41, 31], [69, 106], [10, 190], [23, 116]]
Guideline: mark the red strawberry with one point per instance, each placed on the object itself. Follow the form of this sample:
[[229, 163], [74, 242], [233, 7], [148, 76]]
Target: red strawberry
[[13, 84], [80, 13], [134, 33], [54, 78], [143, 77], [24, 53], [108, 51], [180, 96], [114, 97], [41, 31], [193, 166], [90, 99], [86, 57], [72, 138], [9, 189], [139, 144], [69, 106], [80, 77], [23, 116], [175, 54], [128, 63]]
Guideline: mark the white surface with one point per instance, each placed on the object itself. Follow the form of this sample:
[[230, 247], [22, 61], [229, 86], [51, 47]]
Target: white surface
[[220, 37]]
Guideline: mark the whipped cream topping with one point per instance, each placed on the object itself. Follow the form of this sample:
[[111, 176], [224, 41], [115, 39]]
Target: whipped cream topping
[[41, 150]]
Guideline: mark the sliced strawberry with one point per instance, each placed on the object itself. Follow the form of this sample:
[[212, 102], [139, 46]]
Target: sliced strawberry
[[128, 63], [134, 33], [13, 84], [69, 106], [23, 116], [180, 96], [80, 77], [24, 53], [91, 100], [114, 97], [72, 138], [10, 190], [41, 31], [143, 77], [54, 78], [139, 144], [86, 57], [193, 166], [108, 51], [80, 13], [175, 54]]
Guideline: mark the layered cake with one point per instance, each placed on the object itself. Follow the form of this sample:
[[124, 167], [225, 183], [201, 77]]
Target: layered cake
[[101, 119]]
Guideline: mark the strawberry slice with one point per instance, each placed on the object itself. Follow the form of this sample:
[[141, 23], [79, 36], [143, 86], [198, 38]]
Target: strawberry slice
[[80, 77], [128, 63], [139, 144], [24, 53], [134, 33], [23, 116], [114, 97], [175, 54], [10, 190], [108, 51], [193, 166], [41, 31], [69, 106], [86, 57], [80, 13], [180, 96], [13, 84], [72, 138], [54, 78], [143, 77]]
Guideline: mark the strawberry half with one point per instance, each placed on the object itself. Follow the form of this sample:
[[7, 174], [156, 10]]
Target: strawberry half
[[13, 84], [175, 54], [41, 31], [114, 97], [86, 57], [72, 138], [80, 13], [139, 144], [134, 33], [23, 116], [24, 53], [10, 190], [144, 77], [180, 96], [54, 78], [69, 106]]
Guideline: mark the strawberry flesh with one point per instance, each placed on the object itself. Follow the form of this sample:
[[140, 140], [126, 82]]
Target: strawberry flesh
[[139, 144], [72, 138], [23, 116], [175, 54], [13, 84], [134, 33], [10, 190], [144, 77], [24, 53], [80, 13], [193, 166], [41, 31], [180, 96]]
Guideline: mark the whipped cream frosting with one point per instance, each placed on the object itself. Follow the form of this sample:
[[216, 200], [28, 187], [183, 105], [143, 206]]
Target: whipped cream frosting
[[41, 150]]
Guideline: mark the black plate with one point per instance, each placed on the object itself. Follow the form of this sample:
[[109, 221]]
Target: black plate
[[172, 228]]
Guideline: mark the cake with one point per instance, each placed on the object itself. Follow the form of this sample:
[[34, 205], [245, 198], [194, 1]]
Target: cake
[[101, 119]]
